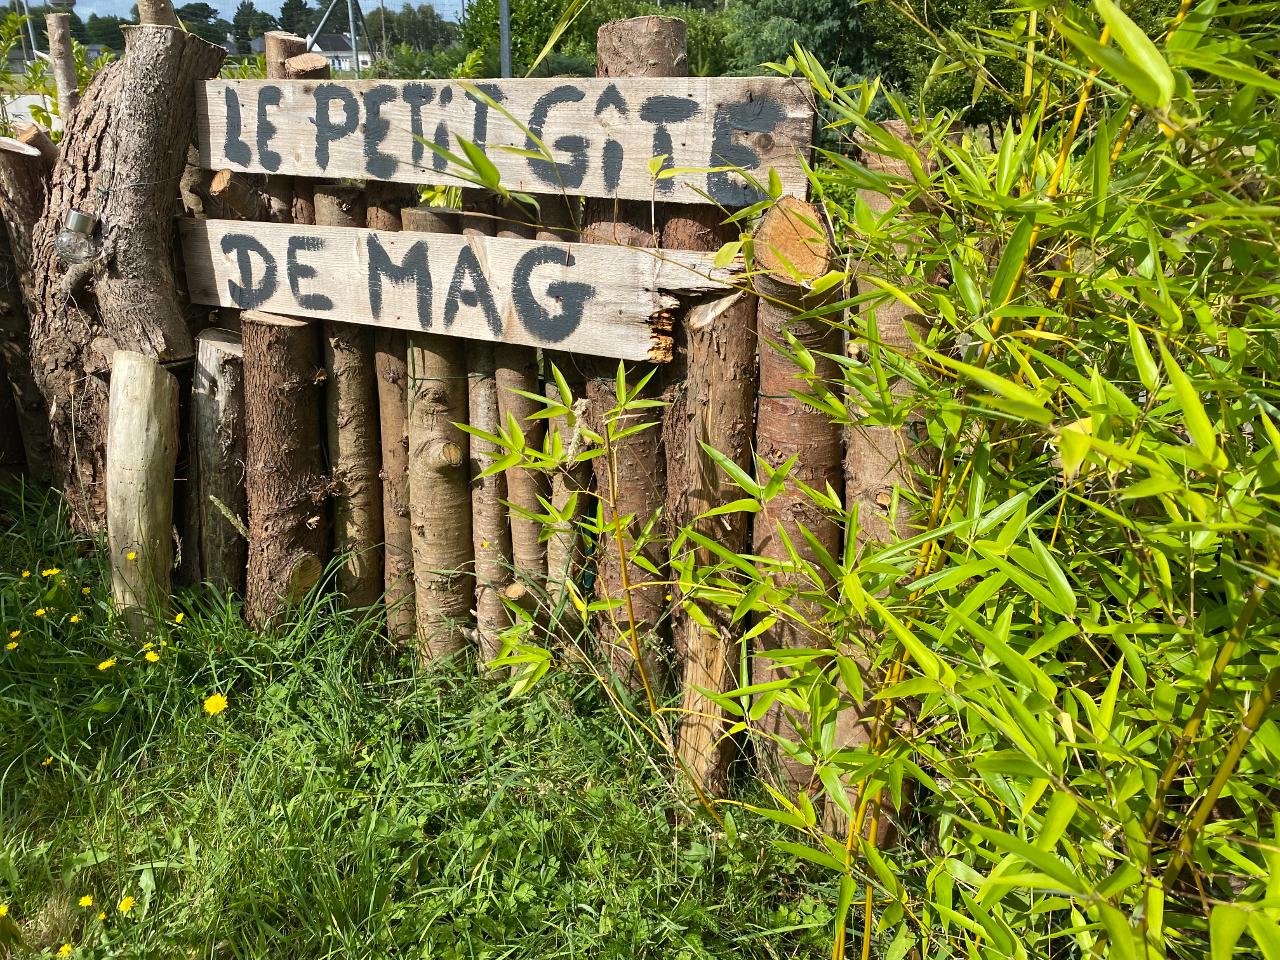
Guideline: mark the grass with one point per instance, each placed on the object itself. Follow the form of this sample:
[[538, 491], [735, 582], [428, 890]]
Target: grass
[[340, 805]]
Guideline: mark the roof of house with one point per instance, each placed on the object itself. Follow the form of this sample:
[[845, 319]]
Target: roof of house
[[332, 43]]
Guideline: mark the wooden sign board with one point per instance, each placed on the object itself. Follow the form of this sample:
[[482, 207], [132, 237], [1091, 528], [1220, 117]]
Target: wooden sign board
[[586, 298], [593, 137]]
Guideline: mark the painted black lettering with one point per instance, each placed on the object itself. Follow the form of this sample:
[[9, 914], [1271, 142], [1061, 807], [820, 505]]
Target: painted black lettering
[[439, 161], [746, 116], [417, 96], [244, 294], [569, 174], [480, 125], [612, 154], [475, 293], [663, 112], [326, 130], [298, 271], [235, 150], [571, 295], [413, 267], [376, 127], [268, 96]]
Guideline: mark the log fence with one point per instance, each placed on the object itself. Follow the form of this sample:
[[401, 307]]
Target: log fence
[[354, 334]]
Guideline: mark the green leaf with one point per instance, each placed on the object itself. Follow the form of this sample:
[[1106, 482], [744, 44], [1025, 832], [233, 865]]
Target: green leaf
[[1142, 358], [1012, 262], [1193, 413], [1226, 923], [1139, 49], [1266, 934], [482, 165]]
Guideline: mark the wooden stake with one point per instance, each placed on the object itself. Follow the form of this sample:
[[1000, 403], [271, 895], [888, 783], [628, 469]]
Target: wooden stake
[[716, 407], [218, 461], [351, 415], [792, 233], [517, 370], [439, 495], [142, 451], [118, 161], [390, 353], [279, 46], [646, 47], [62, 62], [490, 533], [285, 478]]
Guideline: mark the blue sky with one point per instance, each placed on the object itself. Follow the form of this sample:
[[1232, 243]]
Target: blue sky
[[449, 9]]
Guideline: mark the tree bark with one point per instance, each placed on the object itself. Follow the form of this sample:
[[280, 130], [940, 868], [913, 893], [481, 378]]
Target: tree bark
[[62, 62], [12, 457], [307, 66], [490, 533], [117, 161], [158, 13], [142, 451], [517, 370], [786, 427], [439, 492], [278, 47], [716, 408], [284, 470], [351, 417], [24, 183], [634, 484], [390, 350], [217, 470]]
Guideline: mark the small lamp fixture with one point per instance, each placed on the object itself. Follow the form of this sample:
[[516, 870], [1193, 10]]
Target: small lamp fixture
[[76, 243]]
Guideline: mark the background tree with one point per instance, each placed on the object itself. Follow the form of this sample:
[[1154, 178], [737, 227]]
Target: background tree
[[297, 16], [249, 22], [105, 30], [204, 21]]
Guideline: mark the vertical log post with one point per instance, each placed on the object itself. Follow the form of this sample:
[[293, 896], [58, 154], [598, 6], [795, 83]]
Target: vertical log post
[[284, 475], [390, 358], [63, 62], [351, 418], [142, 451], [791, 233], [218, 462], [639, 47], [279, 46], [517, 370], [439, 491], [490, 532], [717, 409]]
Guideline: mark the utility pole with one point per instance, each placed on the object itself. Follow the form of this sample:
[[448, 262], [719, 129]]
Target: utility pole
[[355, 42], [504, 37]]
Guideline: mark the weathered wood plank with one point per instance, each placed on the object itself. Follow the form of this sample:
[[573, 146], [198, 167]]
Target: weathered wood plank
[[600, 134], [600, 300]]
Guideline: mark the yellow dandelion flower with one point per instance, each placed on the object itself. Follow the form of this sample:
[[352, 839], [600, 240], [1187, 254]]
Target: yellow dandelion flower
[[11, 645], [25, 574], [152, 656], [164, 643], [4, 909], [75, 618], [51, 572], [102, 914], [86, 900], [179, 618], [148, 645], [14, 634], [40, 612], [108, 663], [214, 704], [65, 950], [86, 591], [126, 904], [46, 761], [131, 555]]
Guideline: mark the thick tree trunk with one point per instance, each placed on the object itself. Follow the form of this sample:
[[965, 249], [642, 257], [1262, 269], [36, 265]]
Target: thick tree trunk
[[390, 357], [439, 492], [285, 478], [717, 408], [23, 187], [517, 370], [632, 482], [490, 532], [351, 417], [157, 12], [142, 451], [217, 462], [786, 427], [117, 161], [62, 62]]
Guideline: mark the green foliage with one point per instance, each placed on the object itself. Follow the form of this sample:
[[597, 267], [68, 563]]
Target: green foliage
[[340, 806], [105, 30], [204, 21], [249, 22]]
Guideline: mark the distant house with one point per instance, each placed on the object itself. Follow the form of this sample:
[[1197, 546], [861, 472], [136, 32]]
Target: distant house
[[336, 48]]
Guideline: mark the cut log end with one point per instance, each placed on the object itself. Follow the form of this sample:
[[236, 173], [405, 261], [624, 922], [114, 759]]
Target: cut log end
[[793, 236], [306, 66]]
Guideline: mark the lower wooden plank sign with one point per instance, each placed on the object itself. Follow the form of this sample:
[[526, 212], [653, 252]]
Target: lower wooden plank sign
[[584, 298]]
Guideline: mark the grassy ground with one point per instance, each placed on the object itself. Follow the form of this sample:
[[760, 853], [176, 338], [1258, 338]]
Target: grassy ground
[[339, 805]]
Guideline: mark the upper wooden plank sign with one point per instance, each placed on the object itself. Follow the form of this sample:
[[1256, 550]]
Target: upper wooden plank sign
[[584, 137]]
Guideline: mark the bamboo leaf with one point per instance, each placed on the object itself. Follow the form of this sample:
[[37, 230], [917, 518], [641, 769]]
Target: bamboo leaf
[[1138, 47]]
